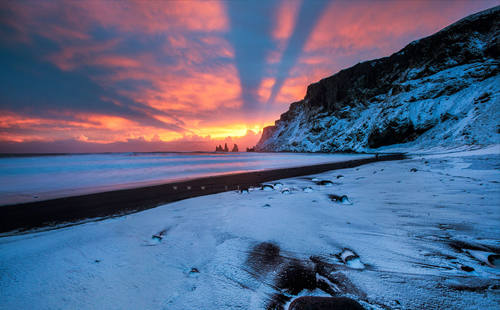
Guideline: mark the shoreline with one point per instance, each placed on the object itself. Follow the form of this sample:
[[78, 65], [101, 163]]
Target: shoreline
[[26, 216]]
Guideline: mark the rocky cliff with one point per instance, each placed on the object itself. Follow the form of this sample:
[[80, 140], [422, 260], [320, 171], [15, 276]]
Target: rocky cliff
[[442, 90]]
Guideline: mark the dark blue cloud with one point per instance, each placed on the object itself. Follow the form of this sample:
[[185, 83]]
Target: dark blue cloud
[[310, 12], [36, 87], [251, 25]]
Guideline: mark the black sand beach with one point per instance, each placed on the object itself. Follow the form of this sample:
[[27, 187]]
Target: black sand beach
[[77, 208]]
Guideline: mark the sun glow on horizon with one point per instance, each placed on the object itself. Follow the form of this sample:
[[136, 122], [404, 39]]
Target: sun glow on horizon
[[189, 73]]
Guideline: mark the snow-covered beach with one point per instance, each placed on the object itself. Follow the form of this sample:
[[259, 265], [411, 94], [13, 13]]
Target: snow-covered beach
[[371, 177], [419, 227]]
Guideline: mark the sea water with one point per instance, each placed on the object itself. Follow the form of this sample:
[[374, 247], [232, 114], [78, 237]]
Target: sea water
[[25, 178]]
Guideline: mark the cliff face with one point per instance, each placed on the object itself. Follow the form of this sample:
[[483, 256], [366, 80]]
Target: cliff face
[[442, 90]]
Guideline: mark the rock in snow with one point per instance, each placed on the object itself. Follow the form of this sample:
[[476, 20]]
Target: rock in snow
[[442, 90], [314, 302]]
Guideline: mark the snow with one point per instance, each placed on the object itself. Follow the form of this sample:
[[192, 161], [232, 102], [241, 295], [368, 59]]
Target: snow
[[455, 120], [412, 231], [34, 178], [448, 99]]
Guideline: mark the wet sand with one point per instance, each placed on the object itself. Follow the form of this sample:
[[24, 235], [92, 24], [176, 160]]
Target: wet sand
[[101, 205]]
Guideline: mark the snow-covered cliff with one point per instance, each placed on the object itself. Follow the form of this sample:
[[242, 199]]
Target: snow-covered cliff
[[439, 91]]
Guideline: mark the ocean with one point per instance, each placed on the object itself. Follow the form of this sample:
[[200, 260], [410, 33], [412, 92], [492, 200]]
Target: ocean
[[26, 178]]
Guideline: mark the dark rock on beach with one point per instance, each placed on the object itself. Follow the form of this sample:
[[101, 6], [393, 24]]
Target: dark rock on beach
[[324, 303], [296, 277]]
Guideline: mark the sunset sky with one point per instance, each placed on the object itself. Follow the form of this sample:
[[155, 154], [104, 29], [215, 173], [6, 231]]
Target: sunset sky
[[100, 76]]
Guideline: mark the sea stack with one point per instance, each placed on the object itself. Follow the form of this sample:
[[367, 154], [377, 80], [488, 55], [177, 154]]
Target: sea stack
[[235, 148]]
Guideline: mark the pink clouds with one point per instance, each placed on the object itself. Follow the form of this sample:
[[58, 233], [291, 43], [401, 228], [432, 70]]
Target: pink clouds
[[188, 81], [347, 28], [82, 144], [103, 129], [156, 71], [74, 19], [351, 32], [82, 54], [286, 19], [265, 88], [196, 90]]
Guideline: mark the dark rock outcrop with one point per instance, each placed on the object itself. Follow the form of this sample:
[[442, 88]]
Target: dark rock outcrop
[[331, 303], [400, 98], [235, 148]]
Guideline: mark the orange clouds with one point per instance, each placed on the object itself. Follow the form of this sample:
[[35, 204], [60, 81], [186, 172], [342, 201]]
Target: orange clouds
[[196, 91], [74, 19], [293, 89], [345, 28], [286, 19], [265, 88], [106, 121], [184, 74], [160, 16], [84, 127], [101, 71], [74, 56], [353, 31], [231, 130]]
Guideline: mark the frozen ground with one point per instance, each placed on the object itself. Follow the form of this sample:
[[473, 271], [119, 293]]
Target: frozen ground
[[411, 230]]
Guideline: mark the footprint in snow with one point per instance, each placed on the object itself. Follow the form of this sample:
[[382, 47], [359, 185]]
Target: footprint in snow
[[193, 272], [157, 238]]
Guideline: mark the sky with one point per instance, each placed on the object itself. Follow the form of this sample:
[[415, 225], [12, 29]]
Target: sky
[[113, 76]]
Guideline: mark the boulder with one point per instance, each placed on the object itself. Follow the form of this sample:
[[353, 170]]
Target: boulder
[[324, 303]]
